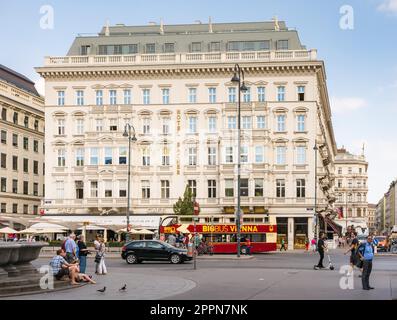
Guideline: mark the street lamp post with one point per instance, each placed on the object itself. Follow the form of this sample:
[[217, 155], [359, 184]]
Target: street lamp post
[[315, 192], [238, 78], [129, 132]]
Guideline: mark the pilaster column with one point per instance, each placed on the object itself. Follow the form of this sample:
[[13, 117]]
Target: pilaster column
[[291, 234]]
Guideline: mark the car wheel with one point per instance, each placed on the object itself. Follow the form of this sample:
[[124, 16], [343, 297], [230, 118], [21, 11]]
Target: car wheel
[[131, 259], [175, 259], [394, 249]]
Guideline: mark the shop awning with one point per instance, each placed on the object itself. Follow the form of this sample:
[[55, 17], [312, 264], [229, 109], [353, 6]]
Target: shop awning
[[337, 228]]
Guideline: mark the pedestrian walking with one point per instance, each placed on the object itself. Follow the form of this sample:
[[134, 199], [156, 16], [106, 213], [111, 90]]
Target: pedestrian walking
[[366, 254], [313, 244], [70, 248], [100, 248], [283, 245], [307, 243], [83, 251], [321, 248], [353, 253]]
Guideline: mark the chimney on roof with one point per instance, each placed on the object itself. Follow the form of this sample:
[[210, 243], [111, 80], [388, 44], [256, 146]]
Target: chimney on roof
[[107, 31], [210, 25]]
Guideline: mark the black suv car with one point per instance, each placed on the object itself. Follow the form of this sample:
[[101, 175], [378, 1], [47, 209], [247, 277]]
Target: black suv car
[[140, 250]]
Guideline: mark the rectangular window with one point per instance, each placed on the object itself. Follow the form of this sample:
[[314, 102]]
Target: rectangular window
[[212, 124], [231, 122], [192, 156], [166, 126], [35, 167], [215, 47], [146, 96], [14, 186], [15, 118], [282, 45], [212, 95], [192, 125], [229, 154], [258, 187], [211, 189], [26, 165], [94, 189], [281, 93], [26, 122], [3, 184], [14, 208], [4, 114], [35, 189], [108, 187], [113, 124], [80, 126], [261, 94], [165, 189], [3, 137], [94, 156], [244, 154], [99, 97], [61, 98], [14, 163], [169, 47], [60, 189], [281, 153], [61, 158], [99, 125], [15, 140], [301, 123], [232, 94], [123, 155], [192, 95], [3, 161], [145, 189], [247, 95], [280, 188], [229, 188], [113, 97], [150, 48], [261, 122], [146, 126], [3, 207], [247, 122], [25, 143], [122, 188], [259, 154], [165, 157], [108, 156], [300, 188], [211, 156], [80, 97], [35, 146], [196, 47], [244, 192], [193, 187], [127, 96], [301, 93], [61, 127], [146, 156], [281, 123], [79, 157], [301, 155], [166, 96], [36, 125]]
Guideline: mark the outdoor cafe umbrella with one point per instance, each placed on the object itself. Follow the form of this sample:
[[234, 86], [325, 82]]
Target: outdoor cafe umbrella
[[143, 231], [7, 230]]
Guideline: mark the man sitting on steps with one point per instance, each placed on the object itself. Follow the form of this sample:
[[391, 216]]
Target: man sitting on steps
[[60, 267]]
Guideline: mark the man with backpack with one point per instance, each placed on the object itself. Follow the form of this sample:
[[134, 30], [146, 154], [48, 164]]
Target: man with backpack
[[366, 254]]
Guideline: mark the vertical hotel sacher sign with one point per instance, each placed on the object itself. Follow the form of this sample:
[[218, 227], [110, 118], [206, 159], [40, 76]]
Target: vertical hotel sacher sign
[[178, 146]]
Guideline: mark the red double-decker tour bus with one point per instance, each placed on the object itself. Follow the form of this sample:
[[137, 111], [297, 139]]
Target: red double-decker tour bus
[[221, 234]]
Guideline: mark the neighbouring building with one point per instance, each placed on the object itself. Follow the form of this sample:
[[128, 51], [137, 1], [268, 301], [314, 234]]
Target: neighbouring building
[[386, 210], [22, 144], [173, 84], [371, 219], [351, 189]]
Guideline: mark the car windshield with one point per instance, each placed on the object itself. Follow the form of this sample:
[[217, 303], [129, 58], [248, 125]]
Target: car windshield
[[380, 238]]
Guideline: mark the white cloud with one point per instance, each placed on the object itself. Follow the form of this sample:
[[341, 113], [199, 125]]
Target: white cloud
[[40, 85], [388, 6], [347, 104]]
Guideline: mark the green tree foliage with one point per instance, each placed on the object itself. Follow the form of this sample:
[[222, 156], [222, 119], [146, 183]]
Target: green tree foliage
[[185, 206]]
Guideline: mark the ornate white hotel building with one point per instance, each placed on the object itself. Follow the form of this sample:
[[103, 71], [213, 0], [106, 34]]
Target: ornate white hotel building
[[173, 84]]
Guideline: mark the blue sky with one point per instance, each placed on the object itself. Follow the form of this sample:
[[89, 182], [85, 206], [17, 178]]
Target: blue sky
[[361, 63]]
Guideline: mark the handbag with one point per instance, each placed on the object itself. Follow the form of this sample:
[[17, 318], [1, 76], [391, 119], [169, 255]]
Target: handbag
[[98, 258]]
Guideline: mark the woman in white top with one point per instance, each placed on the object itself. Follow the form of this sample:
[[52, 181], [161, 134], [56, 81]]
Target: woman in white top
[[100, 248]]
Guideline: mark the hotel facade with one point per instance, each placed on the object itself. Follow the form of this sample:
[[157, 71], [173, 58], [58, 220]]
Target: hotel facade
[[172, 83]]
